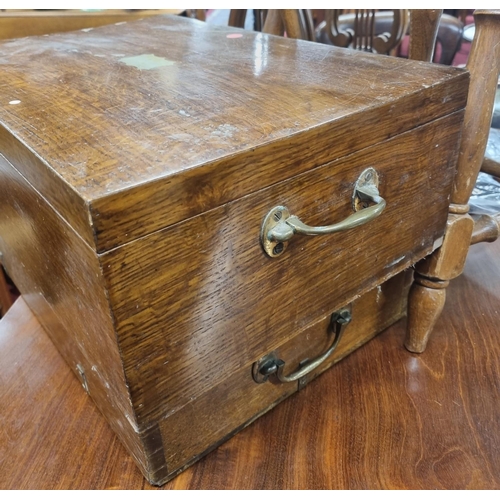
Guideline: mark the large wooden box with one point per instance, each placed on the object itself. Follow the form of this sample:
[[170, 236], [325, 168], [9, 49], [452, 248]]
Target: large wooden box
[[138, 165]]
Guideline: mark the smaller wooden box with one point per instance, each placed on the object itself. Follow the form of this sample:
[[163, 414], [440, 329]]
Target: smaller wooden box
[[138, 165]]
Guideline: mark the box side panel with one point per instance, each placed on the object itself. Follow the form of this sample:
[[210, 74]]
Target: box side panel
[[60, 279], [218, 414], [60, 195], [196, 302], [135, 212]]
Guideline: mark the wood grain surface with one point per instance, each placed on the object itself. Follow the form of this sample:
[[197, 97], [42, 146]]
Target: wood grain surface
[[97, 123], [217, 119], [484, 66], [61, 281], [431, 279], [196, 302], [424, 24], [21, 23], [381, 418]]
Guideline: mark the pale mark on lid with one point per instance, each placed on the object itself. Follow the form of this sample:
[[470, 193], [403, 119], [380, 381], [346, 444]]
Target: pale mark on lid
[[225, 130], [15, 101], [146, 61]]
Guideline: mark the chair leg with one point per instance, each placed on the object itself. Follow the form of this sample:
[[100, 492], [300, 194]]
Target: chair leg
[[425, 303], [428, 293], [432, 276]]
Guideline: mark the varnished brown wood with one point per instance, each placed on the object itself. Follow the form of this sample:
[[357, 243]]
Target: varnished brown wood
[[237, 18], [432, 275], [425, 304], [63, 285], [372, 312], [486, 228], [381, 418], [449, 260], [17, 24], [291, 23], [179, 284], [129, 177], [297, 23], [490, 166], [5, 297], [424, 25], [446, 263], [273, 25], [149, 275], [166, 290], [199, 14], [359, 30], [48, 421], [484, 66]]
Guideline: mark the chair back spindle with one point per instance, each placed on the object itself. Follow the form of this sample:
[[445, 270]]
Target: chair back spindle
[[484, 66], [424, 24]]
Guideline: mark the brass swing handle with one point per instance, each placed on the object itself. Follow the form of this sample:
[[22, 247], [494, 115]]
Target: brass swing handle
[[279, 226], [271, 364]]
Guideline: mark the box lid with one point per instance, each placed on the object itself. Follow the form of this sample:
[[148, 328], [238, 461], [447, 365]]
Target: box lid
[[130, 128]]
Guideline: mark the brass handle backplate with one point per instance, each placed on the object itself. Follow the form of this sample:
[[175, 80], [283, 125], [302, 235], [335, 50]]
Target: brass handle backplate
[[271, 364], [279, 226]]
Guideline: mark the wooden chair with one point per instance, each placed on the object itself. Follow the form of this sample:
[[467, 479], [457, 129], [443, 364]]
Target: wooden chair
[[296, 23], [199, 14], [336, 29], [237, 18], [449, 33], [364, 29], [432, 275]]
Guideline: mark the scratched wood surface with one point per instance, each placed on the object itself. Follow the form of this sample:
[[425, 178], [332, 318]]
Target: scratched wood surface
[[62, 283], [431, 279], [194, 303], [136, 150], [123, 133], [21, 23], [381, 418]]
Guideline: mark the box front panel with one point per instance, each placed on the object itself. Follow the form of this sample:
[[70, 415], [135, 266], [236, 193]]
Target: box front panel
[[235, 402], [200, 300], [145, 143]]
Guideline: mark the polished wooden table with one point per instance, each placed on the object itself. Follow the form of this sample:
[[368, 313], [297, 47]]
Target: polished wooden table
[[21, 23], [381, 418]]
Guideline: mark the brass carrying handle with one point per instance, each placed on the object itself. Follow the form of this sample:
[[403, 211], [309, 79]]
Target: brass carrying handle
[[272, 365], [279, 226]]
